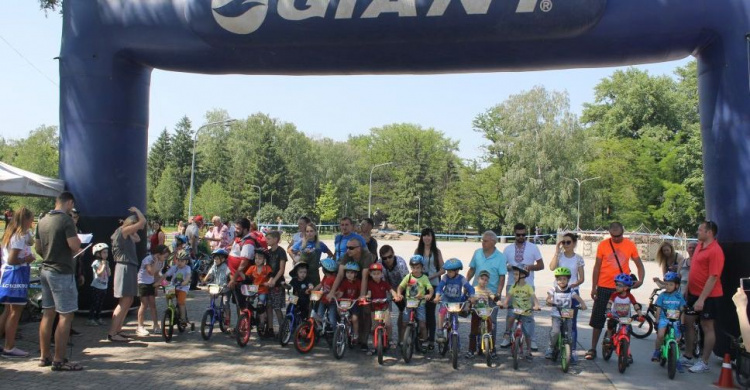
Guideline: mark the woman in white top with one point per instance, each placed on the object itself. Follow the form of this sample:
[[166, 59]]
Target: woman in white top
[[17, 256], [566, 256]]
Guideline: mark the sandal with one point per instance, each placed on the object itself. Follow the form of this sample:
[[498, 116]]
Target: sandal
[[46, 362], [118, 338], [590, 354], [66, 366]]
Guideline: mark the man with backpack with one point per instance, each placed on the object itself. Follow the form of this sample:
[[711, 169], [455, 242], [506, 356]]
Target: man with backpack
[[242, 255]]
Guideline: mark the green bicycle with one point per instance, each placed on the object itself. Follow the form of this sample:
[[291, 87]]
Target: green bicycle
[[563, 346], [670, 350], [170, 314]]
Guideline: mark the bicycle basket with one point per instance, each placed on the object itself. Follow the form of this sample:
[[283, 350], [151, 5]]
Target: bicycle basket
[[625, 320], [518, 311], [345, 304], [169, 291], [379, 315], [412, 303], [214, 289], [566, 313], [293, 299], [316, 295], [249, 289], [673, 314], [483, 312], [454, 307]]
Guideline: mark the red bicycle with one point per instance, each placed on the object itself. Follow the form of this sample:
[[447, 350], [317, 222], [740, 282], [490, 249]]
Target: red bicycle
[[246, 318], [618, 342], [380, 333]]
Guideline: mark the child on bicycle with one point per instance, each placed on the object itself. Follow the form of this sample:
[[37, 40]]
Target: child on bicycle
[[378, 288], [619, 305], [668, 307], [452, 288], [349, 289], [181, 274], [259, 275], [416, 285], [99, 283], [219, 271], [330, 269], [561, 296], [521, 296], [486, 298], [301, 288]]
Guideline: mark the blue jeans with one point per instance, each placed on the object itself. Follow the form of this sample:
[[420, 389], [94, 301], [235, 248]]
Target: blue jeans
[[331, 307], [531, 327]]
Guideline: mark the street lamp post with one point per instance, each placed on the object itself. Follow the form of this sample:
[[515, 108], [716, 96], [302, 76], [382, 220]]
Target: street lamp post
[[419, 212], [369, 202], [257, 215], [192, 167], [580, 182]]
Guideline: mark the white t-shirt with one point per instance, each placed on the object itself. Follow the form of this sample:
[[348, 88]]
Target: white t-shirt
[[143, 275], [17, 242], [571, 263], [531, 254]]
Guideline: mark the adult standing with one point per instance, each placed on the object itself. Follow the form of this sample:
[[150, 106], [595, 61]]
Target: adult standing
[[126, 270], [566, 257], [526, 255], [356, 253], [302, 223], [433, 267], [157, 237], [242, 253], [347, 233], [230, 231], [704, 294], [394, 271], [218, 235], [488, 258], [15, 277], [193, 233], [613, 257], [56, 242], [365, 229], [309, 251], [685, 268]]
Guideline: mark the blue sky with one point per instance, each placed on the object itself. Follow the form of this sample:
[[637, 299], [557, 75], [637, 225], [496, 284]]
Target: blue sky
[[330, 106]]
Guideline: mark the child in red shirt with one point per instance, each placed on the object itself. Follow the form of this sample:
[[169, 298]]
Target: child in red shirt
[[330, 268], [378, 288], [349, 290]]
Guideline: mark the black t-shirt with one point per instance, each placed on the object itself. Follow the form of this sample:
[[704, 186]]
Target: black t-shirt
[[372, 246], [277, 256], [299, 288]]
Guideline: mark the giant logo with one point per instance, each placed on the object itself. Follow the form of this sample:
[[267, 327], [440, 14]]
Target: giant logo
[[247, 16]]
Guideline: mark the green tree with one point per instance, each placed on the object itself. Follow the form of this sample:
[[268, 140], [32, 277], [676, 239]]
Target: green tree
[[212, 199], [296, 208], [181, 155], [269, 214], [159, 157], [167, 197], [328, 203]]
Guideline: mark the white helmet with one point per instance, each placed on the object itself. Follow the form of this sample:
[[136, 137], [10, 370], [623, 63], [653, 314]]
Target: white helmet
[[99, 247]]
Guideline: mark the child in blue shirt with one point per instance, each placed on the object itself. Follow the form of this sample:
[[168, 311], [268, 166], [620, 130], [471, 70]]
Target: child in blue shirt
[[668, 309], [453, 287]]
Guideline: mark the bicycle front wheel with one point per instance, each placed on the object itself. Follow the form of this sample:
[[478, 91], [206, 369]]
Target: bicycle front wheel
[[207, 324], [407, 347], [380, 340], [339, 342], [514, 350], [672, 360], [166, 325], [622, 357], [285, 332], [304, 337], [487, 348], [243, 330], [565, 357], [454, 350]]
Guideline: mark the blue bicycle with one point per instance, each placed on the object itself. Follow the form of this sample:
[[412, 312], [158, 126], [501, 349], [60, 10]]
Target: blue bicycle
[[450, 331], [291, 321], [218, 311]]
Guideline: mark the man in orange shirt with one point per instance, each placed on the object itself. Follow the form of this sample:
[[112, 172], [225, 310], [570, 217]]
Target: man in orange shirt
[[612, 258], [704, 294]]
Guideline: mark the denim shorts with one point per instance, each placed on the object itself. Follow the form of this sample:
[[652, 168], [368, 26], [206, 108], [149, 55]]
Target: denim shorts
[[663, 324], [421, 314], [59, 291]]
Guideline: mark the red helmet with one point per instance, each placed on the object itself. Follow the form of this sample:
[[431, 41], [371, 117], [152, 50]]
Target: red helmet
[[376, 267]]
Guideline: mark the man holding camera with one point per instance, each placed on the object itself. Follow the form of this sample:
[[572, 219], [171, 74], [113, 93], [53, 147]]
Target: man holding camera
[[704, 294]]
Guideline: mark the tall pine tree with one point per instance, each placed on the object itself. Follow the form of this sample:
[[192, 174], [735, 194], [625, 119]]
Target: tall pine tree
[[182, 155]]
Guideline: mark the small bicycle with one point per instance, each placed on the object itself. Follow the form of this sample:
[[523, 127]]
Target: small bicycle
[[217, 312], [485, 313], [291, 320], [380, 333], [171, 313], [618, 342], [450, 330], [518, 338], [308, 331], [248, 315], [670, 351], [411, 330], [342, 334], [563, 346]]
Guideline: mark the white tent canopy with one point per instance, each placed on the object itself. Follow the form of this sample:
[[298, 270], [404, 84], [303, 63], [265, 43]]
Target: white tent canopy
[[16, 181]]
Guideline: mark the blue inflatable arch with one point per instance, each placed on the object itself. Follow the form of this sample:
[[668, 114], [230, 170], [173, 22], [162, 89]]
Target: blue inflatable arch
[[110, 47]]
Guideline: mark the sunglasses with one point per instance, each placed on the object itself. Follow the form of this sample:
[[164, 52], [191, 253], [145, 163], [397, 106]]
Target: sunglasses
[[567, 242], [387, 257], [351, 248], [520, 234]]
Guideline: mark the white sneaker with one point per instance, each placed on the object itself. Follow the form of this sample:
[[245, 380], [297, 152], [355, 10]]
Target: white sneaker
[[686, 362], [156, 329], [505, 343], [141, 331], [699, 367], [534, 347]]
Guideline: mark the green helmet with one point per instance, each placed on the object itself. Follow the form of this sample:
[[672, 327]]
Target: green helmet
[[562, 271]]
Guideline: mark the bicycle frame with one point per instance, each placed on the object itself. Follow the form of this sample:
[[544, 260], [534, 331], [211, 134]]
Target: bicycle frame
[[669, 338], [622, 333], [380, 327], [484, 327]]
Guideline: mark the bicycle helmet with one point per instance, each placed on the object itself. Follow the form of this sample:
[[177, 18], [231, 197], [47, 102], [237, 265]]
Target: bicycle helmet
[[220, 252], [180, 239], [329, 265], [521, 270], [376, 267], [416, 259], [351, 266], [624, 279], [99, 247], [562, 271], [453, 264], [183, 255], [672, 277]]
